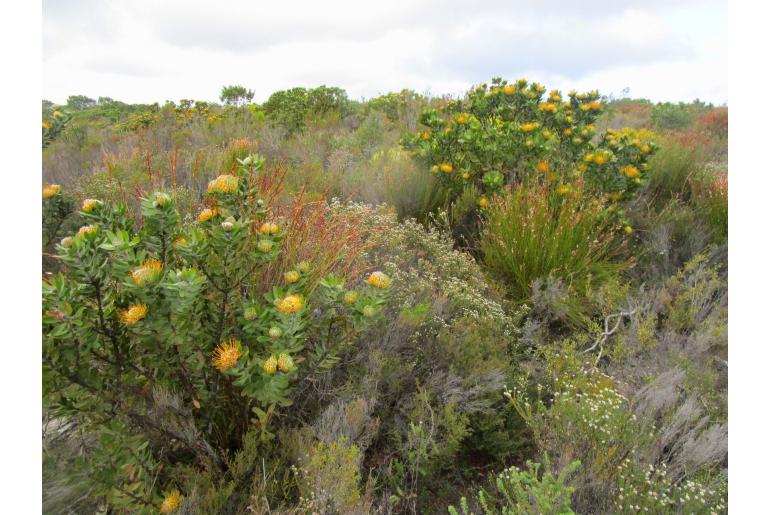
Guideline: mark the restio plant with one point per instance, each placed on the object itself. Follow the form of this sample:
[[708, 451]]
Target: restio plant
[[156, 339], [535, 232], [503, 134]]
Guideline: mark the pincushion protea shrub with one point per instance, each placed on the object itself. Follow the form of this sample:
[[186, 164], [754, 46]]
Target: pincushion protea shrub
[[502, 134], [163, 331]]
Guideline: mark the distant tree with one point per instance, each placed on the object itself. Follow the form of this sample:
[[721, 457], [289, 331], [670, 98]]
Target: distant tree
[[105, 101], [47, 104], [80, 102], [236, 95]]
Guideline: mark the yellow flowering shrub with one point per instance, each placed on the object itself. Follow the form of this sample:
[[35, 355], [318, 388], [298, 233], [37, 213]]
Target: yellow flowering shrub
[[502, 133], [141, 319]]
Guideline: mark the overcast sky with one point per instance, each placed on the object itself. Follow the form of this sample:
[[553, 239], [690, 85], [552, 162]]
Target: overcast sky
[[150, 50]]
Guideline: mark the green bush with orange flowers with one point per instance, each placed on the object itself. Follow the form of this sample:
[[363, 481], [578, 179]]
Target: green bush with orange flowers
[[503, 134], [164, 331]]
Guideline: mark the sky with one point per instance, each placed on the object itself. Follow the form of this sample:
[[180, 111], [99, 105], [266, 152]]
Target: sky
[[144, 51]]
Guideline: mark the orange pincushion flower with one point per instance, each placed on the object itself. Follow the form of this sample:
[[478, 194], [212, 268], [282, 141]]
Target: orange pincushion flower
[[290, 304], [51, 190], [542, 166], [206, 215], [133, 314], [226, 354], [595, 105], [378, 280], [226, 183], [148, 272], [171, 502]]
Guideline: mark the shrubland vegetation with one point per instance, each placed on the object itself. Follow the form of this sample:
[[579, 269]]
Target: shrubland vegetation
[[514, 301]]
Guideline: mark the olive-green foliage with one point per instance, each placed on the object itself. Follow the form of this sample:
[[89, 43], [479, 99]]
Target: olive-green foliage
[[289, 108], [679, 116], [529, 492]]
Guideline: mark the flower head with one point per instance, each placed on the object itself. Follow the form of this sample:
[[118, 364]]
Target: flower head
[[542, 166], [628, 229], [51, 190], [270, 365], [630, 171], [303, 267], [87, 230], [90, 204], [227, 226], [133, 314], [292, 276], [275, 332], [290, 304], [66, 242], [226, 354], [446, 167], [483, 202], [250, 313], [350, 297], [563, 189], [162, 198], [285, 363], [171, 502], [529, 127], [148, 272], [269, 228], [378, 280], [461, 119], [226, 183], [206, 215], [509, 89]]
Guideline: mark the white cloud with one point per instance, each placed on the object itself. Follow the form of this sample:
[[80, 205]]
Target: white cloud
[[146, 51]]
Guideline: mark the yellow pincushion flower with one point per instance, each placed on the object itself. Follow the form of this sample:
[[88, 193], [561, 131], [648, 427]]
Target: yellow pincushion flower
[[147, 273], [645, 149], [434, 169], [226, 183], [466, 175], [595, 105], [483, 202], [588, 158], [269, 228], [630, 171], [87, 229], [206, 215], [563, 189], [133, 314], [542, 166], [292, 276], [446, 167], [290, 304], [51, 190], [212, 186], [378, 280], [461, 119], [226, 354], [285, 363], [179, 242], [90, 204], [546, 133], [529, 127], [628, 229], [350, 297], [46, 125], [585, 107], [425, 136], [172, 502], [600, 159], [509, 89], [548, 107], [568, 132], [270, 365]]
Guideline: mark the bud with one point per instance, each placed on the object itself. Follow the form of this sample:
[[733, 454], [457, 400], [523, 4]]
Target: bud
[[303, 267], [227, 226], [66, 242], [265, 246], [250, 313], [369, 311], [350, 297], [275, 332]]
